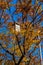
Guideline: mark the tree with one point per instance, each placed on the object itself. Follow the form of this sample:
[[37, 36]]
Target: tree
[[17, 44]]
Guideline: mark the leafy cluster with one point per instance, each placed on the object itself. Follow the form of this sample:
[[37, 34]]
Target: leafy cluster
[[18, 47]]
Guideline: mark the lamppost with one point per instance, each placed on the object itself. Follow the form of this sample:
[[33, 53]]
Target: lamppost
[[41, 54]]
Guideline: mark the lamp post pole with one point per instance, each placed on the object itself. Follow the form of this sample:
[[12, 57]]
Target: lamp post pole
[[41, 54]]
